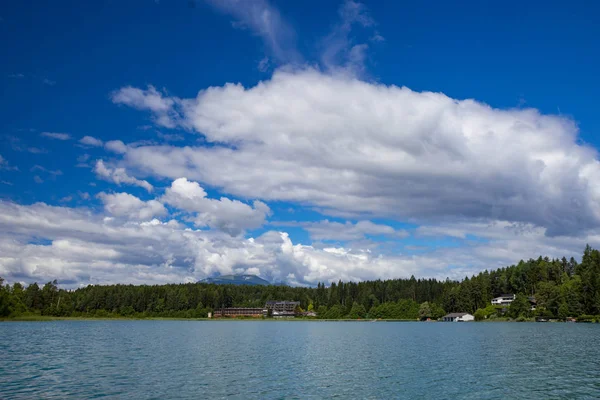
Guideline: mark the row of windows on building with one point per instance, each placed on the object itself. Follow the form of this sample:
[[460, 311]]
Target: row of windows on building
[[274, 308]]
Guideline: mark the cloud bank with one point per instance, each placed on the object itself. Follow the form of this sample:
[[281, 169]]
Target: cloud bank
[[350, 147], [126, 244]]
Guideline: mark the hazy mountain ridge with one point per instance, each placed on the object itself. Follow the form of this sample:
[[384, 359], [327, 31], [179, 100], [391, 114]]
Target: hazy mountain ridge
[[236, 280]]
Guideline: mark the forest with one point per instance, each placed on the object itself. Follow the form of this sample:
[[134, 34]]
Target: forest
[[562, 288]]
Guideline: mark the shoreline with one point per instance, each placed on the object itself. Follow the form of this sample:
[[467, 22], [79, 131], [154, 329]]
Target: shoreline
[[41, 318], [50, 318]]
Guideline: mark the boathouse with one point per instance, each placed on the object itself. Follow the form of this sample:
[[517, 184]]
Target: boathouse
[[458, 317]]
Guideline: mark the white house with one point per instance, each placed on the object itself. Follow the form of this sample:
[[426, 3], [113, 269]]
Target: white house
[[458, 317], [503, 300]]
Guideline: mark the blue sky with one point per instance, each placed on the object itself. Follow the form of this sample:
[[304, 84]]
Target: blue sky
[[300, 141]]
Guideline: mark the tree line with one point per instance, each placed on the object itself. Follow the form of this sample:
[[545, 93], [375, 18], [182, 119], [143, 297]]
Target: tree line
[[562, 288]]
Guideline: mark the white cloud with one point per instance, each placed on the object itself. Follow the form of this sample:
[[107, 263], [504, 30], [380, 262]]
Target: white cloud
[[231, 216], [91, 141], [119, 176], [116, 146], [125, 205], [56, 135], [150, 99], [350, 147]]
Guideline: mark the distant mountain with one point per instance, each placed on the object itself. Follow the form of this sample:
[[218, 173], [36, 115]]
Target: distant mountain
[[237, 280]]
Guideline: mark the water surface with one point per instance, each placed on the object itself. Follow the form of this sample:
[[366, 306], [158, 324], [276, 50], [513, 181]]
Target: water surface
[[298, 360]]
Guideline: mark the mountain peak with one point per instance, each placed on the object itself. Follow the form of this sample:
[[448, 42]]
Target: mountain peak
[[236, 280]]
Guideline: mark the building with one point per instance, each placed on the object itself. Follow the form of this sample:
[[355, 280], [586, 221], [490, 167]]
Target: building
[[309, 314], [238, 312], [532, 303], [281, 308], [503, 300], [458, 317]]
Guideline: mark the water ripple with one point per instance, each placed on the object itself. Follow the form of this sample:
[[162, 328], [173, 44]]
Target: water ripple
[[298, 360]]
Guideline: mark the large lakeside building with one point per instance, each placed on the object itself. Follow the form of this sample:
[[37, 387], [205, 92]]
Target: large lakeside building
[[275, 308], [238, 312], [281, 308]]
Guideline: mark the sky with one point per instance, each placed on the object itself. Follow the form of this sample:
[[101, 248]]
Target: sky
[[152, 142]]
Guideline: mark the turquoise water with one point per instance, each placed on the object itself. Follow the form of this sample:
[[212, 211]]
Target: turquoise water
[[298, 360]]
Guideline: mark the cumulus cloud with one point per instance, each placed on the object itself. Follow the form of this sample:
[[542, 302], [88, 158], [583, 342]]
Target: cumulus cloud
[[116, 146], [56, 135], [125, 205], [119, 176], [231, 216], [358, 148], [162, 107], [91, 141], [86, 247]]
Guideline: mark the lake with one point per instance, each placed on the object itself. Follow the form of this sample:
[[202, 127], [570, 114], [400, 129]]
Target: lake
[[298, 360]]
